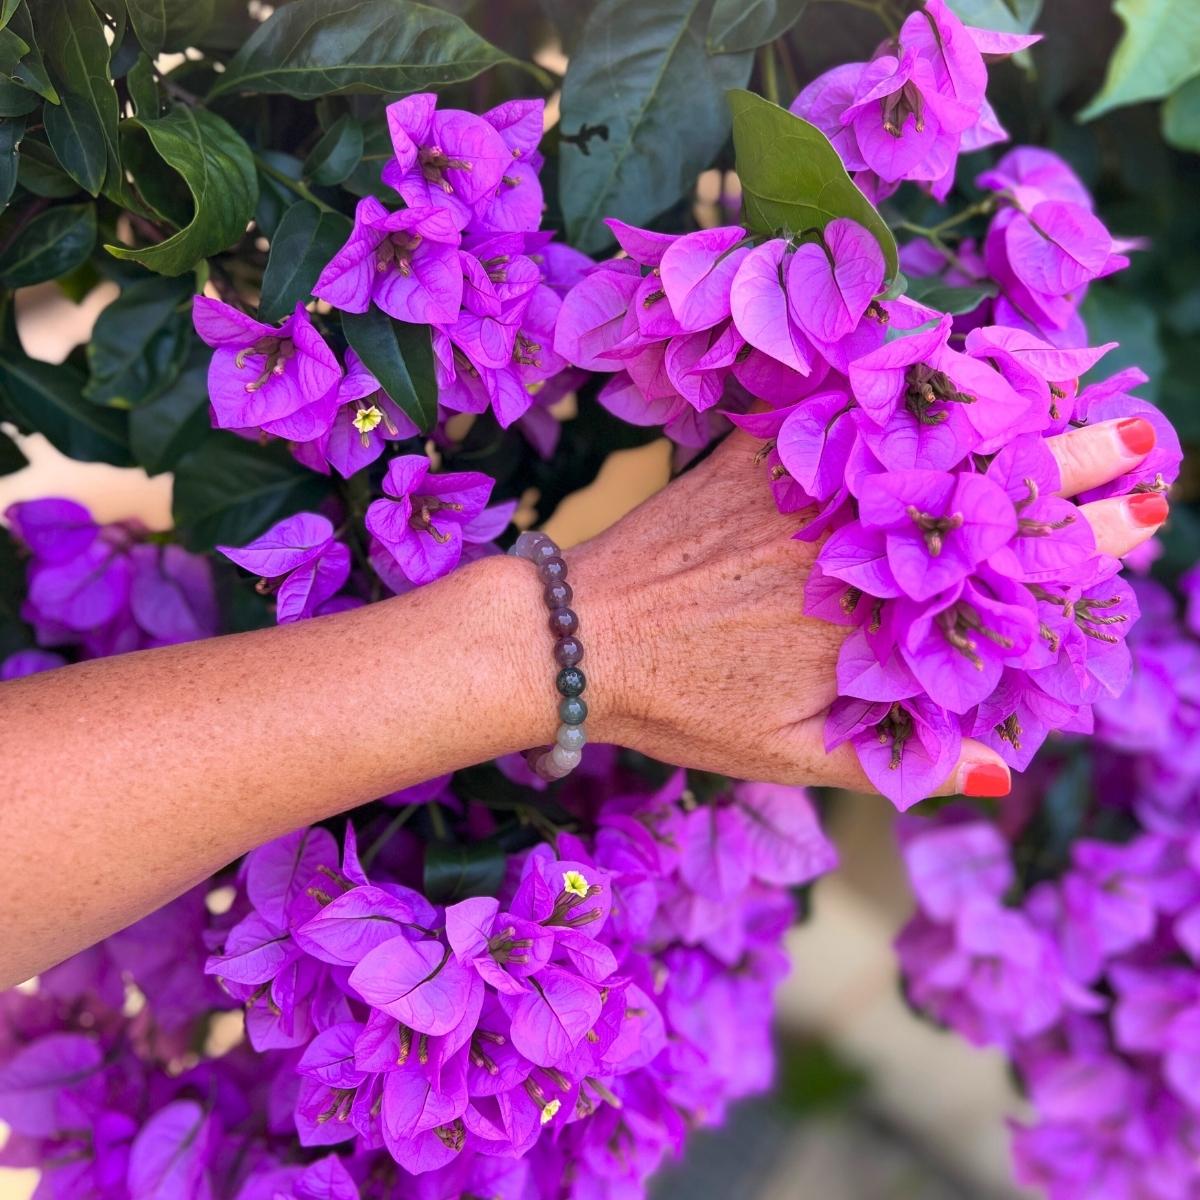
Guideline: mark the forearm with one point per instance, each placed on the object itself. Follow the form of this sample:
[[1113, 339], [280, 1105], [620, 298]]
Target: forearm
[[126, 780]]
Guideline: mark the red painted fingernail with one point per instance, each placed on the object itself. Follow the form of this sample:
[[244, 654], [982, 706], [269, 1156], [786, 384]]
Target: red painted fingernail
[[1137, 435], [987, 779], [1148, 508]]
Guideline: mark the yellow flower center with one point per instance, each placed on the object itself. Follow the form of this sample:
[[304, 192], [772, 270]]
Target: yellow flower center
[[550, 1110], [367, 419], [574, 882]]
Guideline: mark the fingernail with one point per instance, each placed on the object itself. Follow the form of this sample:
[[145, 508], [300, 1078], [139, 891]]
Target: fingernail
[[1148, 508], [987, 779], [1137, 435]]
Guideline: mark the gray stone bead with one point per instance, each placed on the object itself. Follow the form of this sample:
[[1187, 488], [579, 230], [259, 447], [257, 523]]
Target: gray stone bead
[[571, 737]]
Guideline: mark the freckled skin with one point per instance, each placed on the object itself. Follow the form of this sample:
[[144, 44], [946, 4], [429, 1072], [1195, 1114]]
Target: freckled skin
[[126, 780]]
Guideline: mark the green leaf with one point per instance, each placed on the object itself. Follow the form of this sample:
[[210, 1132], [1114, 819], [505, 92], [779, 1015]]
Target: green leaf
[[78, 54], [139, 343], [456, 872], [53, 243], [792, 178], [1019, 17], [933, 293], [12, 50], [31, 72], [15, 100], [218, 169], [77, 139], [1114, 315], [1181, 117], [400, 356], [337, 153], [229, 490], [166, 24], [40, 173], [48, 398], [12, 129], [6, 11], [163, 431], [314, 48], [143, 88], [1159, 50], [642, 113], [305, 240], [12, 458], [748, 24]]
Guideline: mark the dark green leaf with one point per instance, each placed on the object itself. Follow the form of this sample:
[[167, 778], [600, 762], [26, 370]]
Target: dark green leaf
[[456, 872], [337, 153], [643, 113], [12, 50], [78, 55], [40, 173], [305, 240], [163, 431], [1159, 51], [747, 24], [400, 356], [14, 635], [48, 398], [139, 343], [229, 490], [53, 243], [218, 169], [1114, 315], [6, 11], [74, 133], [933, 293], [12, 129], [31, 72], [314, 48], [15, 100], [143, 88], [1181, 117], [11, 456], [161, 24], [792, 178]]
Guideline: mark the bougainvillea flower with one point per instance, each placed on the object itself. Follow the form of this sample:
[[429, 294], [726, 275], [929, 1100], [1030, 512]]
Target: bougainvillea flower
[[405, 262], [451, 159], [831, 281], [758, 302], [428, 517], [262, 373], [697, 273], [301, 549]]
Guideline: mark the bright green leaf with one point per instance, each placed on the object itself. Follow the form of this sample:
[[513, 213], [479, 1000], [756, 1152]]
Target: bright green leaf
[[218, 169], [74, 133], [792, 178], [6, 11], [53, 243], [400, 356], [12, 129], [643, 113], [1181, 117], [337, 153], [314, 48], [1159, 50], [748, 24], [933, 293], [304, 242], [139, 343], [229, 490], [48, 398]]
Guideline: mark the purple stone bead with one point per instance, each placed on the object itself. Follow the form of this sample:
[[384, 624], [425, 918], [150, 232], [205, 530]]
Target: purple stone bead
[[568, 651], [543, 552], [563, 622], [552, 570], [558, 594]]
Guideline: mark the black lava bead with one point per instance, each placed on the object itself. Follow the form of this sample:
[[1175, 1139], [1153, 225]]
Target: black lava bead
[[571, 681]]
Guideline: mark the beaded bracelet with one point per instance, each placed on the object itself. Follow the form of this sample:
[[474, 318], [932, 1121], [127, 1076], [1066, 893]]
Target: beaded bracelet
[[554, 762]]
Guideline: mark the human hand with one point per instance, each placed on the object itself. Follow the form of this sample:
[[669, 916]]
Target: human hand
[[699, 650]]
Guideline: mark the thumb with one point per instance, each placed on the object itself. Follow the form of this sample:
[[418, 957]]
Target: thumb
[[979, 771]]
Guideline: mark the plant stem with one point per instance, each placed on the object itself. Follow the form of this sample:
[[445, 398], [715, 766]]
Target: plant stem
[[770, 72], [294, 185], [393, 827]]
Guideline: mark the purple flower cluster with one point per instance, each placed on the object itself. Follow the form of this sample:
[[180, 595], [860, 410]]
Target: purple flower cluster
[[916, 106], [464, 256], [95, 589], [556, 1040], [1084, 970]]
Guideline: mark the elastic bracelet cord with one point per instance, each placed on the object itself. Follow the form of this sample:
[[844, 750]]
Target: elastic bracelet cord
[[556, 761]]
